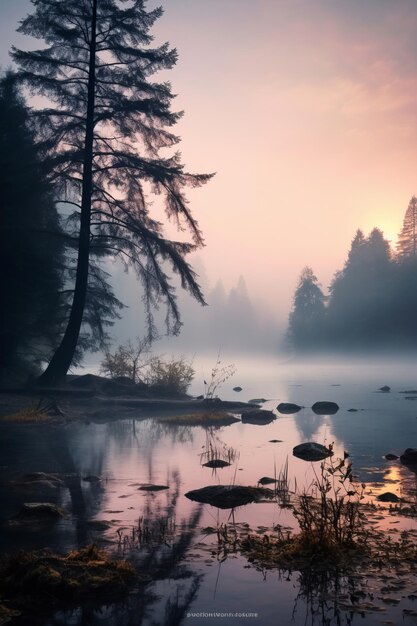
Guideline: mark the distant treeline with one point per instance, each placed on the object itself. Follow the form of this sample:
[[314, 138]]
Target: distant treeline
[[372, 301]]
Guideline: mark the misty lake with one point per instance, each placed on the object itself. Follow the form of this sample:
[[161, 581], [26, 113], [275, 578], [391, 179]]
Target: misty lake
[[193, 581]]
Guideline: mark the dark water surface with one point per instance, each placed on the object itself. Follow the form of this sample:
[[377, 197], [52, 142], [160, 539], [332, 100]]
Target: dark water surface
[[194, 582]]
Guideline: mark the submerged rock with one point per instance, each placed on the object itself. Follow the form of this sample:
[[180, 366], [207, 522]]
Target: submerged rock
[[288, 408], [388, 496], [259, 400], [352, 410], [311, 451], [258, 416], [99, 525], [325, 408], [216, 463], [228, 496], [266, 480], [39, 481], [41, 511], [150, 487], [92, 479], [391, 457]]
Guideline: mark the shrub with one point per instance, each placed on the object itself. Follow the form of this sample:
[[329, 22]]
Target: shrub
[[127, 360], [173, 376]]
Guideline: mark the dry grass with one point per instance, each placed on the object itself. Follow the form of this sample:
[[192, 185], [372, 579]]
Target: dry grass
[[28, 415], [43, 579], [200, 418]]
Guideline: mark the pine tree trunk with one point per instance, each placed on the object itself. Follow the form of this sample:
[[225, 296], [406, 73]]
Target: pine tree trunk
[[62, 359]]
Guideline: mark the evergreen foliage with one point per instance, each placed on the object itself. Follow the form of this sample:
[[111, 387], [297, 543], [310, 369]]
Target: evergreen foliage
[[31, 245], [407, 239], [101, 137], [372, 301], [306, 322]]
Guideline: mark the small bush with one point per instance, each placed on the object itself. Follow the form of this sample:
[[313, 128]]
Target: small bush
[[127, 360], [173, 376]]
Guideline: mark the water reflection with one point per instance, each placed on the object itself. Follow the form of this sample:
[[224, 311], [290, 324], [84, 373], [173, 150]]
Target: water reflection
[[125, 454]]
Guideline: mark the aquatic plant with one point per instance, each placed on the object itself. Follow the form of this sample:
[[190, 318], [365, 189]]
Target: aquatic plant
[[219, 375], [216, 450], [147, 531], [329, 513]]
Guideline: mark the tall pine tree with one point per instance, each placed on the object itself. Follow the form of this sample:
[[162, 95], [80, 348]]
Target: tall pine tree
[[407, 239], [306, 322], [102, 135]]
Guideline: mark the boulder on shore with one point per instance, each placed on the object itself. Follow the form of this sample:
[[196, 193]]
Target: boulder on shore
[[325, 408], [228, 496], [258, 416], [288, 408], [311, 451]]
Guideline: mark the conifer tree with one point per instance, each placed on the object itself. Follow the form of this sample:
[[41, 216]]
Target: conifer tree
[[306, 322], [31, 246], [407, 239], [101, 136]]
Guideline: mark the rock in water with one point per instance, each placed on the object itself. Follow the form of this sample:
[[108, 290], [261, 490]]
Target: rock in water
[[41, 511], [258, 416], [92, 479], [388, 496], [237, 388], [385, 389], [228, 496], [311, 451], [409, 457], [266, 480], [288, 408], [147, 487], [215, 463], [391, 457], [325, 408]]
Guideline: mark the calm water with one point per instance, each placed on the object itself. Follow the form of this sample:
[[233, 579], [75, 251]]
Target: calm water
[[193, 582]]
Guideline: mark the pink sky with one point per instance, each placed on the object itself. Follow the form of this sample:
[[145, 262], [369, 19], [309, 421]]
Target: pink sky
[[306, 109]]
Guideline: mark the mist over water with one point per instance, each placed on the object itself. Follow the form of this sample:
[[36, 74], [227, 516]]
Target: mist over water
[[125, 453]]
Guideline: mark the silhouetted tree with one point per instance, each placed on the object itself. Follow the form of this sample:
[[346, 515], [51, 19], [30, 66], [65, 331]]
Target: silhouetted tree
[[31, 246], [407, 239], [102, 135], [306, 322], [359, 304]]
